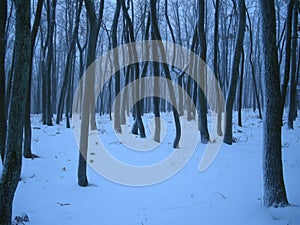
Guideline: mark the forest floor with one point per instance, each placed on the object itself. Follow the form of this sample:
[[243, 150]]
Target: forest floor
[[228, 192]]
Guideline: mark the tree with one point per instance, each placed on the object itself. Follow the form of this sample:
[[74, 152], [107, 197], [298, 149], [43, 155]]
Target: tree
[[3, 15], [156, 35], [286, 75], [67, 72], [293, 80], [216, 69], [27, 124], [274, 189], [94, 23], [16, 114], [235, 71], [47, 84], [114, 29], [202, 115]]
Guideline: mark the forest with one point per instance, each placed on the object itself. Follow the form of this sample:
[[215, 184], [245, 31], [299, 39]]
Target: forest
[[151, 111]]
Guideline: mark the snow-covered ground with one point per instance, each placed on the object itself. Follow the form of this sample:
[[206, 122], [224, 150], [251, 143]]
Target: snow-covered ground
[[229, 192]]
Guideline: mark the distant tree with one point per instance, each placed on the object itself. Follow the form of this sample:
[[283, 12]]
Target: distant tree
[[274, 189], [13, 153], [3, 17], [235, 71], [64, 96]]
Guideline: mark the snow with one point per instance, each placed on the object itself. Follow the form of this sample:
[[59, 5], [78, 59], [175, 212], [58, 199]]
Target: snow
[[228, 192]]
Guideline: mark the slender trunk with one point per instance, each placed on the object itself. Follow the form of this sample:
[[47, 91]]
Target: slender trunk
[[117, 75], [293, 84], [288, 38], [88, 114], [3, 15], [27, 124], [253, 68], [202, 114], [235, 71], [241, 90]]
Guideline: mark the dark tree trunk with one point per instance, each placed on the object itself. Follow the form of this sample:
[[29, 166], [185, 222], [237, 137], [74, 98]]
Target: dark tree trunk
[[286, 75], [114, 29], [293, 93], [202, 114], [27, 124], [3, 15], [216, 69], [88, 116], [241, 90], [13, 155], [162, 53], [235, 71], [138, 116], [49, 67], [274, 189]]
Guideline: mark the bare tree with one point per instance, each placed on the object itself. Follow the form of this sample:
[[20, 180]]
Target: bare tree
[[293, 80], [202, 115], [286, 75], [235, 71], [27, 124], [3, 16], [274, 189], [87, 114], [16, 114]]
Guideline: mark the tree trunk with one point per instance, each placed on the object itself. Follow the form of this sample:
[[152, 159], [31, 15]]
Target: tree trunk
[[274, 189], [241, 90], [235, 71], [117, 75], [3, 15], [88, 100], [293, 92], [202, 114], [13, 155], [287, 53], [67, 74], [216, 69], [27, 124], [253, 67], [138, 116]]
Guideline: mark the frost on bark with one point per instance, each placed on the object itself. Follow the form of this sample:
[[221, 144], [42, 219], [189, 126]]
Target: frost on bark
[[16, 114], [274, 189]]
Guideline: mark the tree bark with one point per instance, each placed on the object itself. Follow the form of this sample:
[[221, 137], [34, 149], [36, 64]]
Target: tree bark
[[27, 124], [235, 71], [286, 75], [13, 155], [293, 80], [3, 16], [88, 116], [274, 189], [240, 106], [202, 114]]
